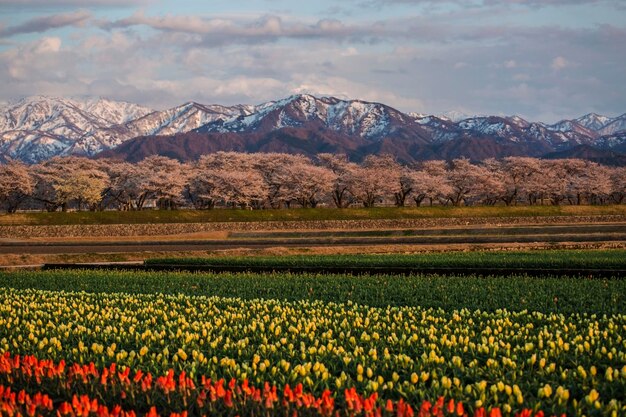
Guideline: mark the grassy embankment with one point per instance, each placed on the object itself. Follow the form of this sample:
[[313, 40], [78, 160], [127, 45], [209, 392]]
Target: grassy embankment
[[224, 215]]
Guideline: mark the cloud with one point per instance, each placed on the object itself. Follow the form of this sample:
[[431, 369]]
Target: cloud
[[223, 30], [48, 4], [45, 23], [432, 62], [47, 45], [485, 3], [219, 31], [559, 63]]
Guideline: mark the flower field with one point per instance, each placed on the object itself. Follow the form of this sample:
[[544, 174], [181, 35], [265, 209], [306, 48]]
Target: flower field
[[124, 353], [562, 294]]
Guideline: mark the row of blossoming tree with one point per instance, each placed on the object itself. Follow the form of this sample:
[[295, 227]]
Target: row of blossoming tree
[[275, 180]]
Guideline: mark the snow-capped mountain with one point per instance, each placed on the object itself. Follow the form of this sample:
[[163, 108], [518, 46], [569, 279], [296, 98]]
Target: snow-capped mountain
[[593, 121], [615, 142], [512, 129], [347, 117], [180, 119], [66, 116], [615, 125], [38, 128], [603, 125], [571, 126], [455, 116]]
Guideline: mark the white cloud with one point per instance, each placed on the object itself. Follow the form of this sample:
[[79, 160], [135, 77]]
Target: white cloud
[[411, 63], [351, 51], [47, 45], [559, 63]]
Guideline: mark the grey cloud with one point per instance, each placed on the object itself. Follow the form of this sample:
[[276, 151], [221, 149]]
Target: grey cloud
[[483, 3], [228, 30], [52, 4], [218, 32], [45, 23]]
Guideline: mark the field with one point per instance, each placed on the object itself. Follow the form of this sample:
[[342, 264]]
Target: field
[[556, 259], [225, 215], [355, 345], [307, 339]]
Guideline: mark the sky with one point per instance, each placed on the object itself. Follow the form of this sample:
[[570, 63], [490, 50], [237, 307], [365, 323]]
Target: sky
[[541, 59]]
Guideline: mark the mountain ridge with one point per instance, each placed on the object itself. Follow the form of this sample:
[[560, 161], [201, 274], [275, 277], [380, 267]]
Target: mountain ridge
[[38, 128]]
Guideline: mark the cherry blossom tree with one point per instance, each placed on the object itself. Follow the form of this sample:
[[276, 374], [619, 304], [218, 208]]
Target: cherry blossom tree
[[162, 179], [16, 185], [520, 177], [62, 181], [309, 184], [617, 176], [555, 183], [344, 176], [278, 171], [468, 181], [215, 177], [586, 181], [202, 182], [241, 189], [389, 183], [124, 185], [430, 181]]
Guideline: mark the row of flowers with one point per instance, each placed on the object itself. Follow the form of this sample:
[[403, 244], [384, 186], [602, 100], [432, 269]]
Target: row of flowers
[[84, 390], [571, 364]]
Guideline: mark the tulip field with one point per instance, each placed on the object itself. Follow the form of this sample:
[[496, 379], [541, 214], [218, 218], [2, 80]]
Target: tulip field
[[105, 343]]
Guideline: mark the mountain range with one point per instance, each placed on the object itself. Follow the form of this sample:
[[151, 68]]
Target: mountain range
[[38, 128]]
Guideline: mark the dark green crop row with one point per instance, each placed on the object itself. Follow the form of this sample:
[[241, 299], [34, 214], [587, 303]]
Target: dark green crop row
[[551, 294], [572, 259]]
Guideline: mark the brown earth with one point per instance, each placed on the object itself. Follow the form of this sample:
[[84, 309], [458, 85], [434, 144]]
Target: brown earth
[[146, 233], [8, 260], [188, 230]]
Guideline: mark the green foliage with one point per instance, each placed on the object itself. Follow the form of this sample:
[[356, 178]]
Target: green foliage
[[582, 259], [553, 294]]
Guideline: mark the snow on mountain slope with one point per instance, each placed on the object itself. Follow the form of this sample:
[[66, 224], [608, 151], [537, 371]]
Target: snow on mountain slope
[[180, 119], [519, 121], [615, 141], [38, 128], [593, 121], [184, 118], [113, 112], [455, 116], [571, 126], [614, 126], [354, 117]]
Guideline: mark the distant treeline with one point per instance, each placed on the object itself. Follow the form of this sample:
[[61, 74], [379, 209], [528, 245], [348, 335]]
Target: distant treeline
[[276, 180]]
